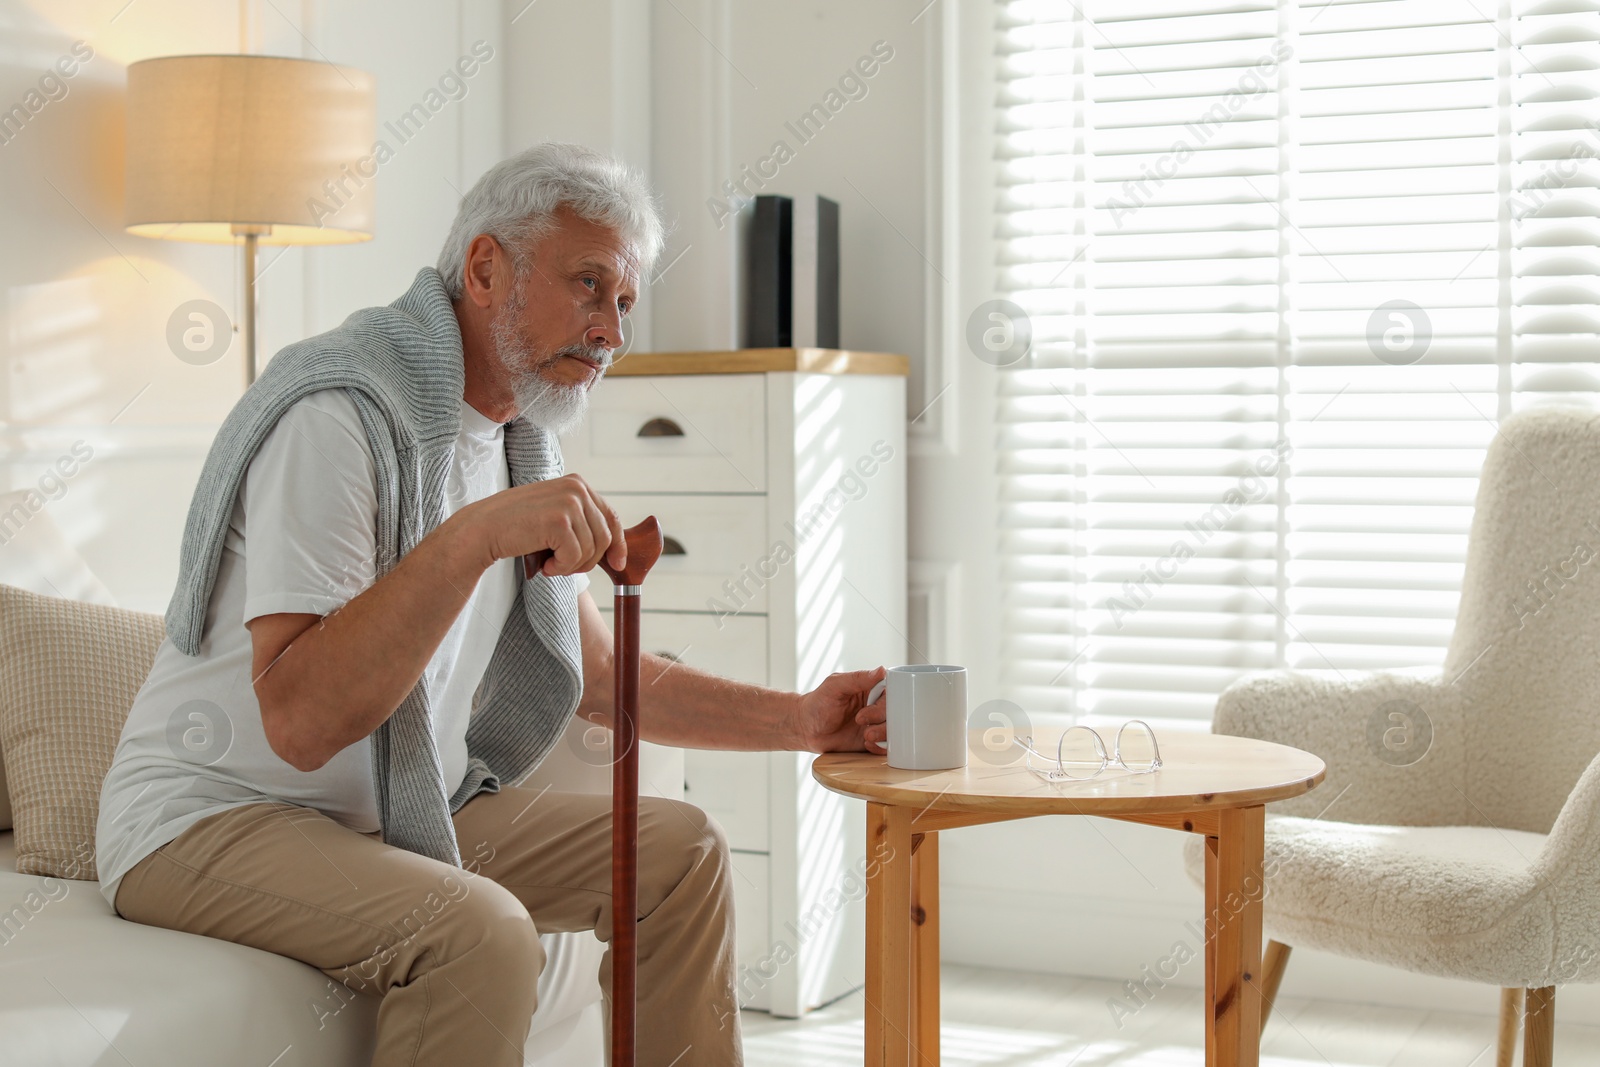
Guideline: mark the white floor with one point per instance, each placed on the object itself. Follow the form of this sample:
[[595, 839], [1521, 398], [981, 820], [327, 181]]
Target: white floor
[[1030, 1020]]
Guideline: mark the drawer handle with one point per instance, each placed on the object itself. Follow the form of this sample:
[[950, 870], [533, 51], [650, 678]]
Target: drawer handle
[[660, 427], [671, 546]]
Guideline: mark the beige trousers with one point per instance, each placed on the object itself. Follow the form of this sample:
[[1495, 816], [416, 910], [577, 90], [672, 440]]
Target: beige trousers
[[454, 952]]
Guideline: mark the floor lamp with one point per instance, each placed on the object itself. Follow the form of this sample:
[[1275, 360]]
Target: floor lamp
[[250, 150]]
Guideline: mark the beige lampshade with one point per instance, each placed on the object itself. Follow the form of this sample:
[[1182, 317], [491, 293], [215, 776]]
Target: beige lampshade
[[216, 143]]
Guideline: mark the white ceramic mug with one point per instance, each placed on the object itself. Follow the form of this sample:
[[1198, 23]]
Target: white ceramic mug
[[927, 714]]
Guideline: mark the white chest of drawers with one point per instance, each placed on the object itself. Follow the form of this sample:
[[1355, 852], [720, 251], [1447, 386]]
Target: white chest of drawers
[[779, 476]]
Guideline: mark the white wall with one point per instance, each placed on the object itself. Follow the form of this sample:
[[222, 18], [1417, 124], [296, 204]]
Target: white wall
[[581, 72], [728, 79], [84, 319]]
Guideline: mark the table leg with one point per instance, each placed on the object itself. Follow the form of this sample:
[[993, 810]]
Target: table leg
[[925, 948], [1210, 963], [889, 926], [1233, 938]]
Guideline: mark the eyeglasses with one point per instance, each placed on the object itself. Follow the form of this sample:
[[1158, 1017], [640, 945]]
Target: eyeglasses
[[1081, 753]]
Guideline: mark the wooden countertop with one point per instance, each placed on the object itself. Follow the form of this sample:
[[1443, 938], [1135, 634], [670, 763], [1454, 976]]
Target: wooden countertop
[[761, 360]]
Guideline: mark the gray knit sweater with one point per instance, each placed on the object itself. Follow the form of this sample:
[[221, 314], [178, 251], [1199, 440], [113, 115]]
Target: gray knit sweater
[[402, 366]]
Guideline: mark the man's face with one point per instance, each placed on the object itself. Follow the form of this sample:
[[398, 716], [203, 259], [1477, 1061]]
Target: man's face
[[563, 318]]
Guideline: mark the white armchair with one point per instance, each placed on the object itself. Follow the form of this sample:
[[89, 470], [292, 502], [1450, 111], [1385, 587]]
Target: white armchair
[[1458, 831]]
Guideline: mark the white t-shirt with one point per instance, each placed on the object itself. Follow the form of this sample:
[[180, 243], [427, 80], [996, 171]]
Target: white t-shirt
[[301, 538]]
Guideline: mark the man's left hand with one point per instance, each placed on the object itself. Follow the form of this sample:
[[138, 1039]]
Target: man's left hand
[[835, 716]]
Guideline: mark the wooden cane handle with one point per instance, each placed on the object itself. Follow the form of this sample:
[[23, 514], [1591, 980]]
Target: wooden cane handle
[[644, 542], [644, 548]]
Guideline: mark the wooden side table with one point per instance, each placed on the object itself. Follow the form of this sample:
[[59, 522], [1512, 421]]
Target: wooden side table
[[1209, 784]]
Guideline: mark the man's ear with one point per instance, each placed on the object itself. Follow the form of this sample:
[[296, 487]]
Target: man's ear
[[486, 262]]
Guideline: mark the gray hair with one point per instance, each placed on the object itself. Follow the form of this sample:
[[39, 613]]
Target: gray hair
[[516, 200]]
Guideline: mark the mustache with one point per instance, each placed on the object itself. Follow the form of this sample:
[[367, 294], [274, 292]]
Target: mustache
[[596, 354]]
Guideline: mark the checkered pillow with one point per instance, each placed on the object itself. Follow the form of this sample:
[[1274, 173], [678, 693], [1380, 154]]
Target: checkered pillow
[[68, 674]]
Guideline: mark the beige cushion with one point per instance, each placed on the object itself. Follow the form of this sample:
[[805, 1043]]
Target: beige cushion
[[68, 674], [1455, 901], [35, 555]]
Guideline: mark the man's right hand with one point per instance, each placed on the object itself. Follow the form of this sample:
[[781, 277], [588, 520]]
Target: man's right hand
[[562, 514], [325, 682]]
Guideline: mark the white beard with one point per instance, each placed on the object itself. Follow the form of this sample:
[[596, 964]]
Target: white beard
[[551, 406]]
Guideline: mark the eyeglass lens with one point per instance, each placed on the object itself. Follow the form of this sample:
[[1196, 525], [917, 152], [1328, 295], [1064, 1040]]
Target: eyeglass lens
[[1083, 753], [1136, 744]]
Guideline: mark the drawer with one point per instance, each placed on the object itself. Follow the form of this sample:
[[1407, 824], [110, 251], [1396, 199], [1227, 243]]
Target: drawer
[[752, 911], [737, 650], [690, 433], [731, 787], [723, 539]]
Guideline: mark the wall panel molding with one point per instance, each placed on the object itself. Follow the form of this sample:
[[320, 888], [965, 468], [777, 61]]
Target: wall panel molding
[[935, 405]]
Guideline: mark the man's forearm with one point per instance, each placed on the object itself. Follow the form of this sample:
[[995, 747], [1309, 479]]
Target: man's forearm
[[349, 671], [688, 708], [682, 706]]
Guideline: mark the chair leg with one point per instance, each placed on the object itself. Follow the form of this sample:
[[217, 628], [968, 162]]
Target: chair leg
[[1510, 1019], [1539, 1027], [1273, 961]]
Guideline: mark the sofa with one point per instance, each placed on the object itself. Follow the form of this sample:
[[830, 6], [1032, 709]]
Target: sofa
[[81, 986]]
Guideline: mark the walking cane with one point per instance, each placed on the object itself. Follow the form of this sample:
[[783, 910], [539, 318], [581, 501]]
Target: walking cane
[[644, 548]]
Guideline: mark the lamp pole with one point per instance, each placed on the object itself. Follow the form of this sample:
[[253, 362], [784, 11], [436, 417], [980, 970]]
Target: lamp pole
[[252, 238]]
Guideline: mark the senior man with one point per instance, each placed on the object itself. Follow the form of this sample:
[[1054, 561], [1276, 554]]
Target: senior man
[[323, 760]]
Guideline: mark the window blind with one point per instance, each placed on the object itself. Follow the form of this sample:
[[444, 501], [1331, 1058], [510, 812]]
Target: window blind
[[1285, 265]]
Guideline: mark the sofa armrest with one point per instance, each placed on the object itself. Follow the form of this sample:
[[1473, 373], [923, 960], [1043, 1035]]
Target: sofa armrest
[[1392, 741]]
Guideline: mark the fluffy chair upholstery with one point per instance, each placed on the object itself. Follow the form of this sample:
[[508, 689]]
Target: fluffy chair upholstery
[[1475, 853]]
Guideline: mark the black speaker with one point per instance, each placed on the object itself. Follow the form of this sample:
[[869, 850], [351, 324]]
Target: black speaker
[[769, 314], [793, 287]]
